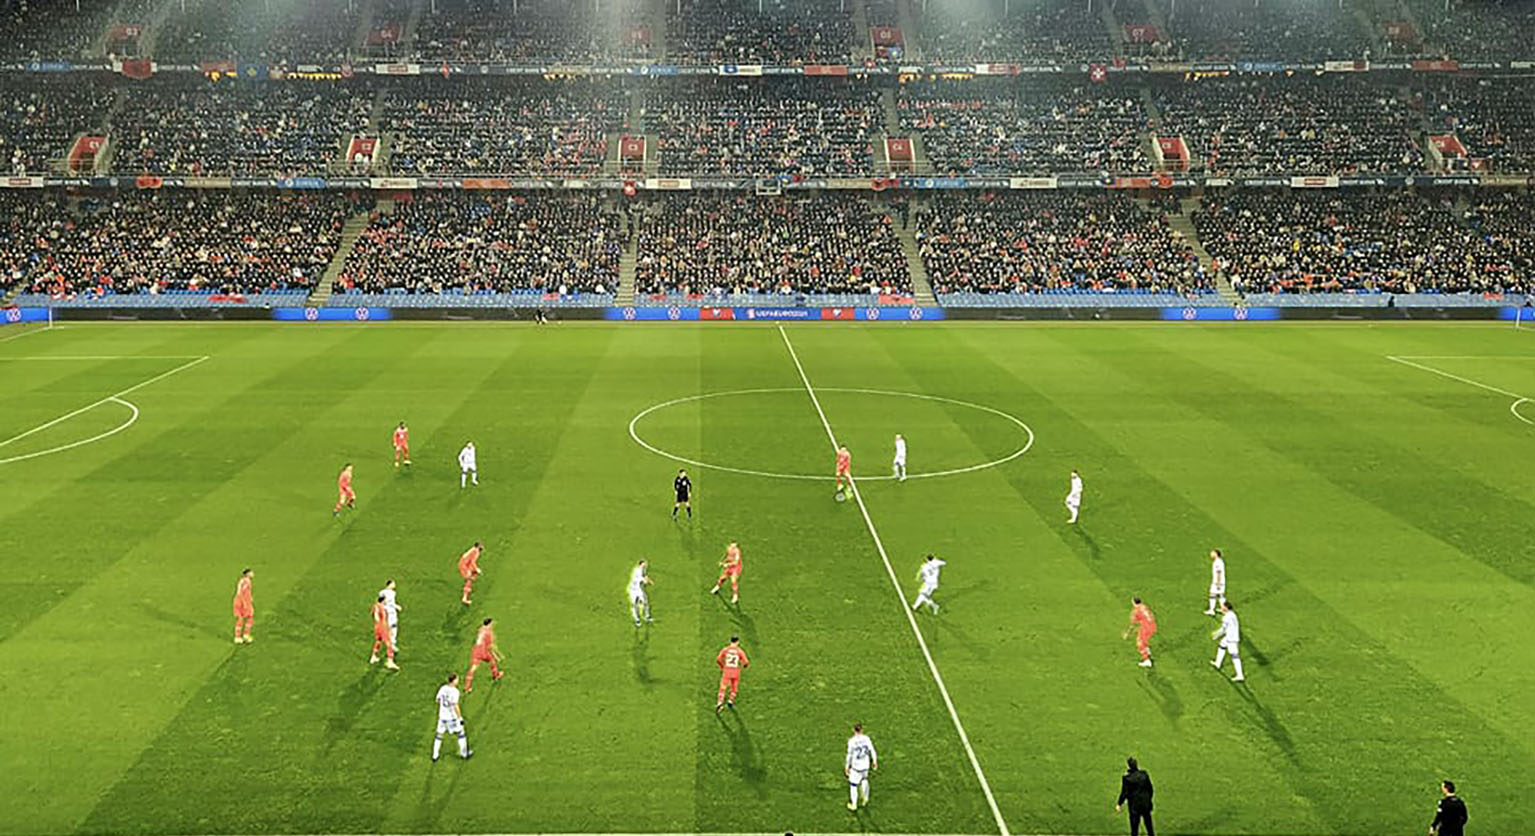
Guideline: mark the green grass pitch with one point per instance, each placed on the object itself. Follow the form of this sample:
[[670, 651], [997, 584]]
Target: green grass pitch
[[1375, 516]]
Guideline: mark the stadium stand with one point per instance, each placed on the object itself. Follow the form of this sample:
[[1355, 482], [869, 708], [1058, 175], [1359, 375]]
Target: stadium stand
[[212, 30], [29, 223], [1015, 31], [486, 249], [1305, 30], [1059, 243], [1397, 241], [40, 120], [736, 32], [1494, 118], [471, 126], [758, 127], [45, 30], [1477, 30], [829, 246], [1006, 126], [525, 31]]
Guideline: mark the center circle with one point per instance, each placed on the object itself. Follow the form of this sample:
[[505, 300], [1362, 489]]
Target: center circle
[[953, 471]]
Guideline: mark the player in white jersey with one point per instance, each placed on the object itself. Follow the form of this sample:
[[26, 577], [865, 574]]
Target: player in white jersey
[[449, 719], [387, 596], [1229, 636], [1217, 581], [928, 573], [639, 600], [1074, 496], [899, 465], [468, 473], [861, 760]]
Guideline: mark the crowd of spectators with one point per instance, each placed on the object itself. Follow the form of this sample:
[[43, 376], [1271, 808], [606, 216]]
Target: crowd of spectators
[[758, 32], [758, 127], [469, 126], [29, 222], [232, 128], [702, 245], [494, 242], [1293, 30], [1013, 31], [44, 29], [39, 121], [1494, 118], [1039, 242], [1395, 241], [259, 31], [1477, 30], [1008, 126], [1502, 217], [528, 31], [201, 241], [1334, 124]]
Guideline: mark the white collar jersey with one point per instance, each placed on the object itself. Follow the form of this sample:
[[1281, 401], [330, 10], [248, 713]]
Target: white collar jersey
[[860, 752], [1231, 629], [930, 570], [466, 457], [447, 702], [1218, 573], [387, 595]]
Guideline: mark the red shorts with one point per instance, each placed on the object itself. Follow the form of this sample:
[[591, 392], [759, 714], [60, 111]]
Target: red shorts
[[244, 610], [730, 676], [381, 634], [733, 571], [348, 495], [478, 657], [843, 471]]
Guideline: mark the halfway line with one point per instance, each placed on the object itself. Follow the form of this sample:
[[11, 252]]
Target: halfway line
[[114, 396], [932, 666]]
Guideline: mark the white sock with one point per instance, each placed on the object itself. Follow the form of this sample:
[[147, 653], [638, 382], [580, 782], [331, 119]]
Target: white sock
[[852, 794], [1220, 656], [463, 745], [647, 609], [864, 787], [1237, 663], [634, 610], [463, 479], [1212, 603], [436, 747], [921, 597]]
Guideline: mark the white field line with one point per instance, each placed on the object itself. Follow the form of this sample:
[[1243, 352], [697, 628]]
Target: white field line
[[132, 419], [35, 357], [112, 397], [1466, 380], [23, 334], [1407, 360], [932, 666]]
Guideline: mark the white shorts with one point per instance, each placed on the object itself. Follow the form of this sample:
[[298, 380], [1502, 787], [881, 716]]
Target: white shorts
[[1230, 648], [928, 589], [469, 469], [857, 776], [1217, 592], [450, 725], [637, 597], [900, 461], [1073, 501]]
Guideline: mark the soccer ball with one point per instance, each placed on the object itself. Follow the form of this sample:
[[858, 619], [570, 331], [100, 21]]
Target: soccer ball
[[841, 497]]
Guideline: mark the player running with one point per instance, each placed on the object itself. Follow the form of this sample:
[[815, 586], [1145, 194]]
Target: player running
[[245, 611], [1145, 626], [928, 574], [1074, 496], [732, 660], [861, 760], [381, 635], [898, 466], [401, 445], [347, 497], [485, 650], [393, 606], [468, 473], [1217, 581], [469, 569], [450, 719], [1228, 636], [684, 488], [730, 568], [844, 469], [639, 600]]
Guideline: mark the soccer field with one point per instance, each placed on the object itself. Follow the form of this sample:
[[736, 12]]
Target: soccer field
[[1374, 514]]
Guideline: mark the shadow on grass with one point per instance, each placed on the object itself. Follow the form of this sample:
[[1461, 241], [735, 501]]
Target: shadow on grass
[[1165, 695], [1088, 541], [746, 627], [642, 656], [197, 627], [1272, 725], [350, 704], [743, 755]]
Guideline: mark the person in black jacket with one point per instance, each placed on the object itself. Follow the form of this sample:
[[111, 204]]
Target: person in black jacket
[[1135, 789], [1450, 818]]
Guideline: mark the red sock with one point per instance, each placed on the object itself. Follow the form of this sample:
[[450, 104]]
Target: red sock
[[469, 678]]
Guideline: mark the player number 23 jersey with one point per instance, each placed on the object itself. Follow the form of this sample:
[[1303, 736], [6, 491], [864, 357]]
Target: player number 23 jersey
[[860, 752]]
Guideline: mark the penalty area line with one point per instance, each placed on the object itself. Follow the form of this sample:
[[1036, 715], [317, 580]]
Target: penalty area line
[[109, 398], [879, 545]]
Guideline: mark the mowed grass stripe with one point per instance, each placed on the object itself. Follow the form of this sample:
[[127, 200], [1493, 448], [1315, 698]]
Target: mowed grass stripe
[[303, 702], [1379, 712]]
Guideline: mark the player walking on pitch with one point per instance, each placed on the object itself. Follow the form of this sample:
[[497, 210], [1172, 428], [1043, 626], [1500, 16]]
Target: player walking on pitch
[[468, 473], [1074, 496], [1145, 626], [469, 569], [844, 469], [730, 568], [639, 600], [861, 760], [928, 573], [347, 498], [450, 720], [684, 490], [1228, 636], [401, 445], [898, 467], [732, 660], [393, 607], [486, 651], [1217, 581], [245, 611], [381, 635]]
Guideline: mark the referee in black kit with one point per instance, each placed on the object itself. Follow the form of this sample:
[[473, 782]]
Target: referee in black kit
[[684, 488], [1450, 817], [1135, 790]]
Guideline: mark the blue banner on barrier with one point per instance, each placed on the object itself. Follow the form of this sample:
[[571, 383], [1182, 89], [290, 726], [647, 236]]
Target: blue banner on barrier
[[16, 316], [1201, 314], [1515, 313], [676, 313], [332, 314]]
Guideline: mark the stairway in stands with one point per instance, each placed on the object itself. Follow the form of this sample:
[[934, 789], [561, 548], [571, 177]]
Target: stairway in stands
[[350, 232], [921, 288], [1184, 225]]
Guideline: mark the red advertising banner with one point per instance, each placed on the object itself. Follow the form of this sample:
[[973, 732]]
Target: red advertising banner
[[887, 35], [631, 147], [837, 313], [826, 69], [716, 313], [898, 149], [82, 155], [1448, 144], [1436, 66], [1143, 33]]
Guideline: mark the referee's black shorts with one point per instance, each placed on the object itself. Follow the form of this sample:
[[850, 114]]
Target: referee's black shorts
[[682, 498]]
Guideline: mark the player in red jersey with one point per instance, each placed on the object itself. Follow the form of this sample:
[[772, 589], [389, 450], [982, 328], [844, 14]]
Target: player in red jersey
[[381, 635], [1145, 626], [347, 498], [732, 660], [730, 568], [485, 650], [401, 445], [469, 569], [245, 611], [844, 468]]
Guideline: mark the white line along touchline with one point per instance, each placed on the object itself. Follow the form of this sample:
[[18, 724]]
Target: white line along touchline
[[932, 666], [1513, 407]]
